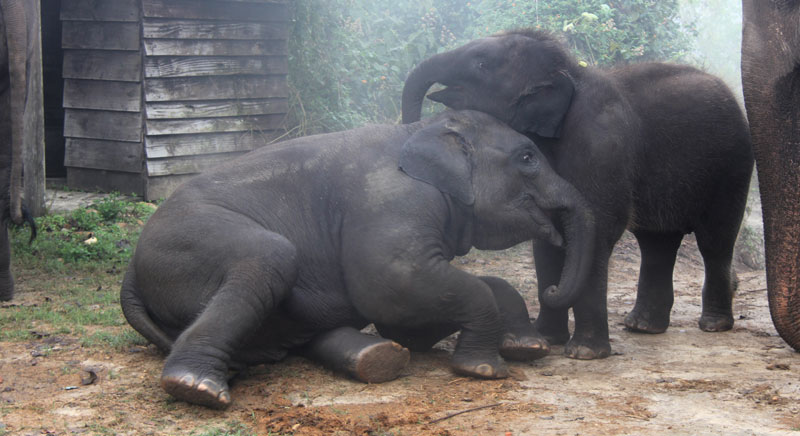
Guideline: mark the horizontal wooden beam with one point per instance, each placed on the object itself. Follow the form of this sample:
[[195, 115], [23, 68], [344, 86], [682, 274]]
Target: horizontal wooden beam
[[186, 165], [88, 179], [187, 66], [216, 10], [190, 29], [103, 155], [102, 65], [186, 47], [207, 109], [114, 126], [102, 95], [100, 35], [255, 123], [210, 143], [215, 87], [100, 10]]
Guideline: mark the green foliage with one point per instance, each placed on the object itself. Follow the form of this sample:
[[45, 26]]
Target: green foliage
[[349, 59], [232, 428], [102, 234]]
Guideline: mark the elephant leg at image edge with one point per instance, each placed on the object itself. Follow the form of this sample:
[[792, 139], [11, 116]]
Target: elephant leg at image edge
[[6, 279], [654, 293]]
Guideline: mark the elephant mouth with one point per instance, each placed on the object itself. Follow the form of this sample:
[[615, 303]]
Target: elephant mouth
[[545, 229]]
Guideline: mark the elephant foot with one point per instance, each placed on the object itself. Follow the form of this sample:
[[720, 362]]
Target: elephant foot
[[186, 386], [526, 347], [645, 322], [492, 368], [715, 322], [585, 349], [380, 362]]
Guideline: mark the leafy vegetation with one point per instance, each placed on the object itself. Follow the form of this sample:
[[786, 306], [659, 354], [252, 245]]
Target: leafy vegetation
[[83, 256], [348, 58]]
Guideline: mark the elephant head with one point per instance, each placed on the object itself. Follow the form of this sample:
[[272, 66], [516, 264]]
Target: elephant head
[[510, 187], [486, 75]]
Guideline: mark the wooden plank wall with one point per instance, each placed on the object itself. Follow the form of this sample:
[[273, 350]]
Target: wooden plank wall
[[214, 83], [102, 72]]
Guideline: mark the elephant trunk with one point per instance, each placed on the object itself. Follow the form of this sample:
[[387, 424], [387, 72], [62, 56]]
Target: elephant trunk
[[16, 39], [577, 219], [419, 80]]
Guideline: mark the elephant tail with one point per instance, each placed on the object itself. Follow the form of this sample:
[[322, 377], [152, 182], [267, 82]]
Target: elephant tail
[[136, 313]]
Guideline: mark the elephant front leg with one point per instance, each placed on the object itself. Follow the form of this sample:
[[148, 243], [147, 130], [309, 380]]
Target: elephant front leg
[[366, 358], [521, 341]]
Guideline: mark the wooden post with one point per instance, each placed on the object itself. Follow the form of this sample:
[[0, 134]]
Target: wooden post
[[33, 146]]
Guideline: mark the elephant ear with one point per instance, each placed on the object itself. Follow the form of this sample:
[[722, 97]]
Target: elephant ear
[[440, 155], [546, 104]]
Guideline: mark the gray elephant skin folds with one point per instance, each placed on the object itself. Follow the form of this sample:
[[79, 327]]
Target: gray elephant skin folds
[[296, 247]]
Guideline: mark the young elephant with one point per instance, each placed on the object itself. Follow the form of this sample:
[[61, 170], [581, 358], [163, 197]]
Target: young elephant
[[297, 247]]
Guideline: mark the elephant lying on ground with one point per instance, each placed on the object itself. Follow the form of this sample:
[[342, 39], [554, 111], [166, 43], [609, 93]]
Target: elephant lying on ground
[[662, 150], [298, 246]]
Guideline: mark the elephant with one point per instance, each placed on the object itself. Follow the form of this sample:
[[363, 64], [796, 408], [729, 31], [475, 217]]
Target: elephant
[[659, 149], [770, 61], [15, 37], [296, 247]]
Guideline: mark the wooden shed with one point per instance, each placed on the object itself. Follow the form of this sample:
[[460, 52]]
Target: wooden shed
[[158, 90]]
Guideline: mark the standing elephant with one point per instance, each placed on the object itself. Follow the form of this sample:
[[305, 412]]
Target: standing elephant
[[15, 46], [662, 150], [771, 80], [296, 247]]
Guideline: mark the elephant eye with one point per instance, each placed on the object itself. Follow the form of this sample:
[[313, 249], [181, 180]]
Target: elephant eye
[[528, 157]]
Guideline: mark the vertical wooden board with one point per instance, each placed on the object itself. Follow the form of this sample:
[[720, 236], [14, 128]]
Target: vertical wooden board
[[102, 65], [104, 155], [188, 66], [114, 126], [215, 88], [105, 95], [221, 108], [186, 47], [33, 122], [100, 10], [101, 36], [215, 30], [88, 179], [215, 10]]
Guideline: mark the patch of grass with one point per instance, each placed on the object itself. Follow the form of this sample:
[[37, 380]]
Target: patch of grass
[[100, 235], [68, 279]]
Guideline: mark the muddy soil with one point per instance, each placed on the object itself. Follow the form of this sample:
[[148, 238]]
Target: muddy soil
[[683, 382]]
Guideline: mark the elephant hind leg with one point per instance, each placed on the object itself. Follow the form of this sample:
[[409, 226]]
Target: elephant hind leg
[[654, 294], [370, 359], [261, 275], [720, 279]]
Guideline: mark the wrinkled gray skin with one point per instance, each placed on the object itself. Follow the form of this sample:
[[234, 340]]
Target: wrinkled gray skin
[[771, 81], [15, 24], [298, 246], [659, 149]]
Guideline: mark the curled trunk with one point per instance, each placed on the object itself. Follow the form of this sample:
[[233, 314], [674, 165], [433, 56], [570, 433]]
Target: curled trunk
[[420, 79]]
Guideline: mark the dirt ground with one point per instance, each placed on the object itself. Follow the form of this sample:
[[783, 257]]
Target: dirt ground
[[683, 382]]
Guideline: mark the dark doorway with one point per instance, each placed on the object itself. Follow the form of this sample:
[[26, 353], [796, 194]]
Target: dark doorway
[[53, 87]]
